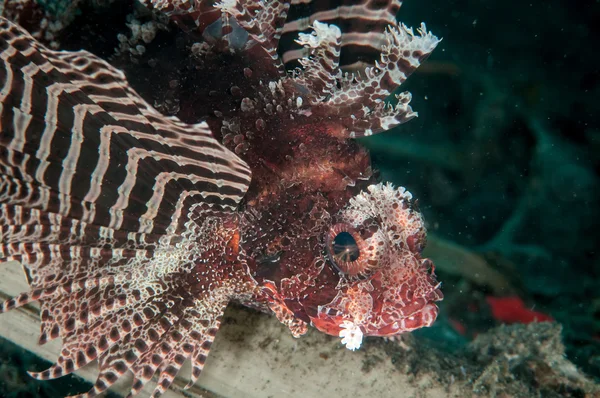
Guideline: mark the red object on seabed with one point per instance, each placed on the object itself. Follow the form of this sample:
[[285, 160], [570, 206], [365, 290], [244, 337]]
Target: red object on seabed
[[513, 310]]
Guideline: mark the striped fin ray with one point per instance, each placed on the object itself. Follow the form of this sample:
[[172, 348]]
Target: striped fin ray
[[102, 318], [20, 224], [110, 206], [144, 314], [359, 100], [362, 24], [263, 21], [71, 117], [353, 56]]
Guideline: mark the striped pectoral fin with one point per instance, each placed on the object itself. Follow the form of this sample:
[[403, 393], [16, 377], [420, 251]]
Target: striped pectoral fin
[[101, 200], [78, 141], [191, 340], [159, 353], [141, 310], [362, 24], [129, 322]]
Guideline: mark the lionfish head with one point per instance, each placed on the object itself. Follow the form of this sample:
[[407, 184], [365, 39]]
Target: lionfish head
[[385, 287]]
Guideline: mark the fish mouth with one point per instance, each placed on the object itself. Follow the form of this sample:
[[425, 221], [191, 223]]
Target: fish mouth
[[424, 317], [352, 332]]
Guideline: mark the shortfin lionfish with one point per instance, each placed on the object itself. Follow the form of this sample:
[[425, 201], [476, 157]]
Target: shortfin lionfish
[[136, 229]]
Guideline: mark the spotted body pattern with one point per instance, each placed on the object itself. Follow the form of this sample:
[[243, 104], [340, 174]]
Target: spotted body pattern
[[136, 229]]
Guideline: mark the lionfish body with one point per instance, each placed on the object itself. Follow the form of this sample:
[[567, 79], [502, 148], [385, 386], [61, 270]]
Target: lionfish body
[[136, 229]]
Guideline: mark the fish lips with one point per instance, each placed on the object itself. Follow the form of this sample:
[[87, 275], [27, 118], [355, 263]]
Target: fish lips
[[387, 320]]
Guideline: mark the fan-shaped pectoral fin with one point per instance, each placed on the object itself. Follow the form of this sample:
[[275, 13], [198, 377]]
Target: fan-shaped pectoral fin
[[152, 335]]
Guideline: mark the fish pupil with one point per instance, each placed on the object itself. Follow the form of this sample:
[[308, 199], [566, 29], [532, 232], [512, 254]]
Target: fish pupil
[[345, 248]]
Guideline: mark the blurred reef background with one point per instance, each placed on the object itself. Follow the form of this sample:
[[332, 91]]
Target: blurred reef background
[[503, 159]]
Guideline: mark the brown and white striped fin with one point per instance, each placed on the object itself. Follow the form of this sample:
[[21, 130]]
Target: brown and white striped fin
[[321, 71], [352, 55], [106, 204], [263, 21], [276, 24], [359, 100], [157, 338], [78, 142], [362, 24], [134, 315]]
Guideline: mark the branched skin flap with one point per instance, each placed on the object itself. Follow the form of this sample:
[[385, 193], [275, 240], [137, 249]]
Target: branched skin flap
[[137, 229]]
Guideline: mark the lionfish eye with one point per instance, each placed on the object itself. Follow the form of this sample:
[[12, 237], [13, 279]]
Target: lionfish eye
[[344, 248]]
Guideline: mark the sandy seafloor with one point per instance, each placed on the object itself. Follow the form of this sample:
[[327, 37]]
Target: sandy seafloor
[[504, 161]]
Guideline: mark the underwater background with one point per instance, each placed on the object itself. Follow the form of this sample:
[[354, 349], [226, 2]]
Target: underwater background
[[503, 159]]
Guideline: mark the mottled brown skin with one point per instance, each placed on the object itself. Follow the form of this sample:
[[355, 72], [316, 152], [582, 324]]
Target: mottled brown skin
[[303, 174], [297, 197]]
